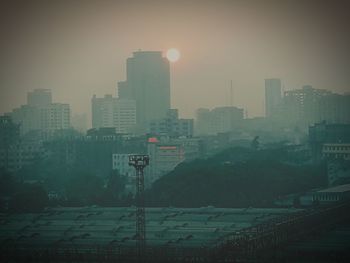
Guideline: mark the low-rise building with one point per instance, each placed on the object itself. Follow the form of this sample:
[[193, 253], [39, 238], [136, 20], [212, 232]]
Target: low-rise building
[[337, 156], [332, 195], [163, 158]]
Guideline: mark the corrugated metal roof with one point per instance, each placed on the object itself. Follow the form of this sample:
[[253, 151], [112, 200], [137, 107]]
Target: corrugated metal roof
[[77, 227]]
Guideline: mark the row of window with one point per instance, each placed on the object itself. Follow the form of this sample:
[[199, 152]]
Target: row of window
[[336, 148]]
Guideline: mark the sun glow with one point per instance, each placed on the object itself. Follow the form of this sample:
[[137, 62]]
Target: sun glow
[[173, 55]]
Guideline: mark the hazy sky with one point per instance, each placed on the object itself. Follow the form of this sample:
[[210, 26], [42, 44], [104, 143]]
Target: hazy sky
[[79, 48]]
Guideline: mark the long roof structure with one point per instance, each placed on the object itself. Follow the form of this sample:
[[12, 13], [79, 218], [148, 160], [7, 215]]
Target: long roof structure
[[96, 226]]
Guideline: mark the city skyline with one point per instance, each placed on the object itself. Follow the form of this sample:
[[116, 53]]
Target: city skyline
[[245, 42]]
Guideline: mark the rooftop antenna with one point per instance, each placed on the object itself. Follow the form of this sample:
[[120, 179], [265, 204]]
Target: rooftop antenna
[[231, 93]]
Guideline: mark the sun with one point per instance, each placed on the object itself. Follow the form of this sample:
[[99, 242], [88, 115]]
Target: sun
[[173, 55]]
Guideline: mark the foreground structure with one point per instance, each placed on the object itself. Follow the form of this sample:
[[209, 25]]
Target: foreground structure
[[92, 234]]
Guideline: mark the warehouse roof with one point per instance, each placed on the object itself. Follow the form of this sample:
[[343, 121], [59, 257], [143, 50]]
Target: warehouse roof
[[74, 227]]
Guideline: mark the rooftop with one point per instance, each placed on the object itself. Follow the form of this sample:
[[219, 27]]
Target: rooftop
[[337, 189], [191, 227]]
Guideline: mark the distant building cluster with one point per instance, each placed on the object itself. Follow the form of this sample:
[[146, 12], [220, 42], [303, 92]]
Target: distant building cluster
[[218, 120], [140, 120], [41, 114], [15, 152], [143, 102], [171, 125], [305, 106]]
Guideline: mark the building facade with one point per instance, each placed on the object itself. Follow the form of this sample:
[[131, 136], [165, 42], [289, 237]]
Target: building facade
[[303, 106], [164, 157], [217, 120], [273, 97], [113, 112], [55, 116], [337, 156], [172, 126], [40, 114], [148, 83]]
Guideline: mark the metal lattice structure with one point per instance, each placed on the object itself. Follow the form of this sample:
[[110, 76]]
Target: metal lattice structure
[[140, 162]]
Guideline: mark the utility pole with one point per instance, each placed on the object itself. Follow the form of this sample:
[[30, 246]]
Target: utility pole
[[139, 162]]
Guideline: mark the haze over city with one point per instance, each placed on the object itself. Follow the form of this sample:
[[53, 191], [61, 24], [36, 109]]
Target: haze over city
[[175, 131], [79, 48]]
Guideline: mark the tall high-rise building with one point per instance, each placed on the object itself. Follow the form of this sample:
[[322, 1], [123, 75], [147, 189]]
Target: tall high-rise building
[[113, 112], [303, 105], [272, 97], [148, 83], [39, 97]]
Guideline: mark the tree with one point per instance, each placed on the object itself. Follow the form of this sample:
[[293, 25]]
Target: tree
[[114, 190], [84, 188], [30, 198]]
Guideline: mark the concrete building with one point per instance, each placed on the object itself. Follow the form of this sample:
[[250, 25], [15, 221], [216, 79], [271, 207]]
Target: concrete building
[[337, 156], [28, 117], [303, 106], [218, 120], [323, 133], [307, 106], [9, 131], [202, 123], [22, 153], [332, 195], [94, 151], [334, 108], [113, 112], [148, 83], [164, 157], [224, 119], [193, 147], [9, 135], [336, 151], [39, 98], [172, 126], [55, 116], [273, 97], [40, 114], [14, 151]]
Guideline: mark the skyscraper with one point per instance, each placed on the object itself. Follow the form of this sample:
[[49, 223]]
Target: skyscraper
[[148, 83], [272, 97]]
